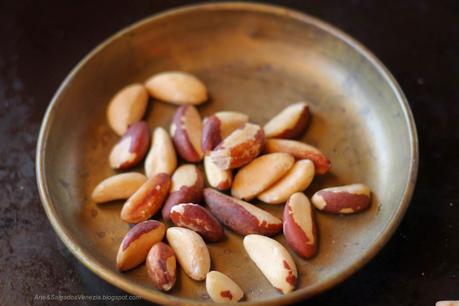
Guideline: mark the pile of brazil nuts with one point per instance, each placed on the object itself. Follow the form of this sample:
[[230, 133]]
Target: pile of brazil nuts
[[242, 161]]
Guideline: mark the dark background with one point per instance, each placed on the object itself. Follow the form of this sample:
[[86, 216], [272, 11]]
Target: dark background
[[40, 42]]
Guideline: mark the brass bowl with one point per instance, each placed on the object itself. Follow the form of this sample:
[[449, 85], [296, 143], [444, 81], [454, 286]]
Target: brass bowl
[[256, 59]]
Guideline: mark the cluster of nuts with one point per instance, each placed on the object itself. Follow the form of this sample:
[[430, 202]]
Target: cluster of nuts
[[271, 167]]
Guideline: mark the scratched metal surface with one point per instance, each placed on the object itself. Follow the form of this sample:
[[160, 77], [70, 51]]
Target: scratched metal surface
[[41, 45]]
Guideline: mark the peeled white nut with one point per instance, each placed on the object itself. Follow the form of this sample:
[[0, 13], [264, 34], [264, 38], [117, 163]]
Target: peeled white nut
[[273, 260], [137, 243], [298, 178], [191, 252], [161, 158], [118, 187], [220, 125], [177, 87], [229, 121], [260, 174], [216, 177], [289, 123], [126, 107], [222, 289]]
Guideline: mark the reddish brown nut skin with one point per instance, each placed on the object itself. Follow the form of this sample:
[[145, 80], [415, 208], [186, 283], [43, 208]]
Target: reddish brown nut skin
[[211, 133], [186, 194], [240, 154], [337, 201], [137, 242], [140, 140], [224, 185], [246, 152], [299, 127], [180, 137], [236, 217], [321, 162], [146, 201], [138, 230], [198, 219], [161, 266], [296, 237], [300, 150]]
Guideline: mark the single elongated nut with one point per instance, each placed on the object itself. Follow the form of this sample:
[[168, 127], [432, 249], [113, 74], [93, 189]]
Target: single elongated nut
[[242, 217], [298, 178], [191, 252], [260, 174], [273, 260], [137, 242], [162, 266], [132, 147], [218, 126], [162, 157], [447, 303], [346, 199], [289, 123], [299, 225], [177, 87], [222, 289], [187, 186], [118, 187], [216, 177], [198, 219], [299, 150], [186, 130], [126, 107], [147, 200], [239, 148]]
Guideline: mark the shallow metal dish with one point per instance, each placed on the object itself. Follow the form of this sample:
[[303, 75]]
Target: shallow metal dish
[[256, 59]]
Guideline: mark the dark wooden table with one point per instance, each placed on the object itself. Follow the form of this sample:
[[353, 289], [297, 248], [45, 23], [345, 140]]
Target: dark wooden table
[[40, 41]]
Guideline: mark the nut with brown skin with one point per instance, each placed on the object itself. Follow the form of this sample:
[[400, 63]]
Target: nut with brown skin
[[222, 289], [187, 186], [147, 200], [300, 229], [241, 217], [299, 150], [127, 107], [289, 123], [162, 157], [346, 199], [191, 252], [218, 126], [162, 266], [118, 187], [186, 131], [137, 242], [198, 219], [239, 148], [132, 147], [296, 179], [260, 174], [177, 87], [216, 177], [273, 260]]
